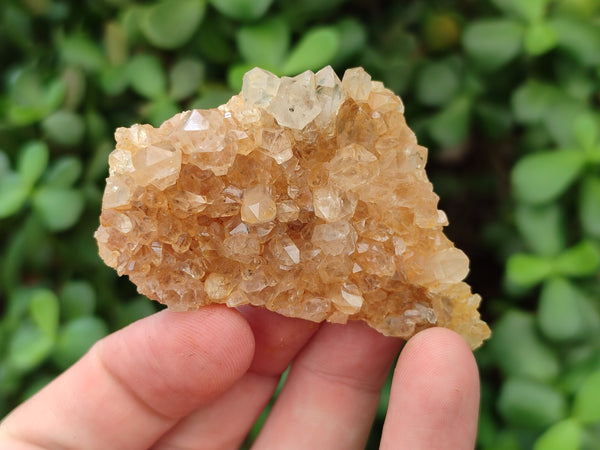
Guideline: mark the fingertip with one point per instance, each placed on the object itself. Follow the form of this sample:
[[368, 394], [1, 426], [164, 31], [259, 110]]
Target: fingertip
[[436, 348], [434, 402], [185, 358]]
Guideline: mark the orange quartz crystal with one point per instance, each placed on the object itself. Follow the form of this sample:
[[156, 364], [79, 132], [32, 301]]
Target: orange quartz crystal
[[307, 196]]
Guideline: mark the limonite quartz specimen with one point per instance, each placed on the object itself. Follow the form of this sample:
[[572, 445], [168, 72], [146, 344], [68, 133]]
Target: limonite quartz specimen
[[307, 196]]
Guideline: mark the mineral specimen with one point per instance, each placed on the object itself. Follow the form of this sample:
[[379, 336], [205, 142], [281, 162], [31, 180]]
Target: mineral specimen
[[307, 196]]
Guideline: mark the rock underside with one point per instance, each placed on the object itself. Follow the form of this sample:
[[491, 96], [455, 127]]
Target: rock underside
[[307, 196]]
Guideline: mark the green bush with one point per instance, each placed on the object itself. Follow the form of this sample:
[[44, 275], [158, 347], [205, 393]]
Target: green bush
[[504, 92]]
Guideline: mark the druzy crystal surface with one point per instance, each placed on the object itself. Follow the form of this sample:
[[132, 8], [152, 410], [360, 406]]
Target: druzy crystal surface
[[307, 196]]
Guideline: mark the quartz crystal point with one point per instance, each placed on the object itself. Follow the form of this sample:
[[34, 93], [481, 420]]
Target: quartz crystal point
[[307, 196]]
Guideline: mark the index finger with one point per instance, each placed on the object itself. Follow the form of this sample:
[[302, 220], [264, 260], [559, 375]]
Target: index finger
[[135, 384]]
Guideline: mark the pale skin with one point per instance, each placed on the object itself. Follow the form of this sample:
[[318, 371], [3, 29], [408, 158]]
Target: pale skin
[[199, 380]]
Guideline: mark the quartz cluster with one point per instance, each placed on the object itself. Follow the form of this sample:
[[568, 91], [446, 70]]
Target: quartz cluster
[[307, 196]]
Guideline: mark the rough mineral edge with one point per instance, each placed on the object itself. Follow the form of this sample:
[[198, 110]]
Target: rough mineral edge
[[307, 196]]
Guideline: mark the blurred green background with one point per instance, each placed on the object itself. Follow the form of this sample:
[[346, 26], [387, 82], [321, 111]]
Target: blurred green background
[[505, 93]]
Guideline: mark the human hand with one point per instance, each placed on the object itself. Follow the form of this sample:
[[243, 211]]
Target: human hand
[[199, 380]]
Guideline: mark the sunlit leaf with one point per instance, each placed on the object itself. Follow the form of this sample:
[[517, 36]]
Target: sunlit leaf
[[586, 407], [564, 435], [527, 270], [586, 131], [539, 38], [580, 260], [44, 310], [531, 10]]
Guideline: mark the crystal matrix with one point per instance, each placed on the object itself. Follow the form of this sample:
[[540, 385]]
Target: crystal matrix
[[307, 196]]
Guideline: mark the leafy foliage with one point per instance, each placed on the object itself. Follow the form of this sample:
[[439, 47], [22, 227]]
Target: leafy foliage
[[503, 92]]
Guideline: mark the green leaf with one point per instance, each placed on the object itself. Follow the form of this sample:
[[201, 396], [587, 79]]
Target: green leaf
[[561, 313], [235, 75], [44, 310], [64, 128], [437, 83], [4, 163], [114, 80], [33, 159], [586, 131], [541, 177], [580, 260], [146, 75], [75, 338], [353, 38], [580, 38], [133, 310], [13, 194], [586, 406], [58, 208], [496, 119], [519, 350], [36, 385], [264, 44], [541, 227], [242, 9], [539, 38], [450, 126], [169, 24], [530, 404], [185, 77], [29, 347], [79, 50], [30, 100], [314, 51], [564, 435], [527, 270], [160, 110], [64, 172], [77, 298], [213, 97], [214, 43], [589, 205], [492, 43], [532, 100], [530, 10]]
